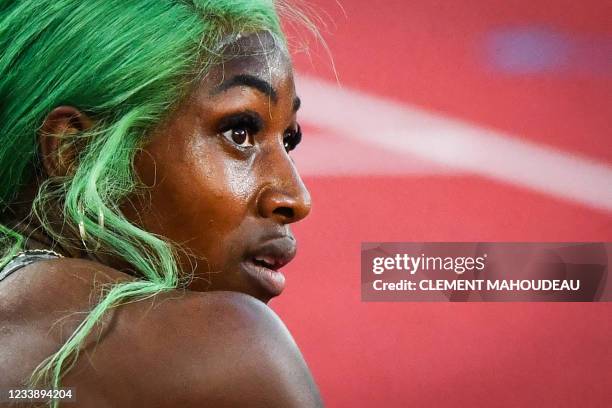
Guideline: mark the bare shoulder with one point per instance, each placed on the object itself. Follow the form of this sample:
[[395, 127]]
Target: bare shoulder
[[217, 349], [178, 348], [64, 283]]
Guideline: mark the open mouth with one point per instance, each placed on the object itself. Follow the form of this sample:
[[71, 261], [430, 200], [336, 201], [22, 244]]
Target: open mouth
[[268, 262], [266, 274], [263, 264]]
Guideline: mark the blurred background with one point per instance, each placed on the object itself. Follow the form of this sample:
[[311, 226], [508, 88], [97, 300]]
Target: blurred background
[[452, 121]]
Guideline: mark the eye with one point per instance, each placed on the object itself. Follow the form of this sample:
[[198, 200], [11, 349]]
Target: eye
[[238, 136], [240, 128], [292, 138]]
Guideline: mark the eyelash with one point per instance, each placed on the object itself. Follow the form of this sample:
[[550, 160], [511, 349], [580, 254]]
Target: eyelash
[[292, 138], [252, 124], [242, 121]]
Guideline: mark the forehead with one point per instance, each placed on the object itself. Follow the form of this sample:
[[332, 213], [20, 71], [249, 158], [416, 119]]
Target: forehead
[[261, 54]]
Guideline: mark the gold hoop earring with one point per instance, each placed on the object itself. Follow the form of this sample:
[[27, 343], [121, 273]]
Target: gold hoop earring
[[82, 231], [101, 219], [101, 225]]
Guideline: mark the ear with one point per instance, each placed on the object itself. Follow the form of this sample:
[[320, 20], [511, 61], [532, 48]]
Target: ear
[[58, 151]]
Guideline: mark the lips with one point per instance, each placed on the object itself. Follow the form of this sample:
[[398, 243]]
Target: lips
[[262, 264], [269, 262]]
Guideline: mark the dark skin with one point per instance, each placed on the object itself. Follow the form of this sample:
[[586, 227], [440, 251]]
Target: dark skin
[[221, 183], [223, 161]]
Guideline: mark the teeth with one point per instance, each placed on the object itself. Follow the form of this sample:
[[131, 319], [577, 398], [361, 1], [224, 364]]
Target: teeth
[[266, 260]]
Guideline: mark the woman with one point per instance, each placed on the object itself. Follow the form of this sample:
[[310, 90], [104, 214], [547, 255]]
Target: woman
[[147, 194]]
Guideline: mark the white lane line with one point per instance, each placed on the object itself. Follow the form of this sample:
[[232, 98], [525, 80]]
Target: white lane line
[[327, 153], [467, 148]]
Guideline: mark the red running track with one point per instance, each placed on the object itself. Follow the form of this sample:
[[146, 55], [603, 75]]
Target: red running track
[[538, 73]]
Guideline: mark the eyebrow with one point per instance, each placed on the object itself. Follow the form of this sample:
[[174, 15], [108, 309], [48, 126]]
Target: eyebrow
[[250, 81]]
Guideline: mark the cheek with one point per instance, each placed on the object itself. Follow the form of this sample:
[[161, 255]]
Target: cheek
[[225, 183], [200, 194]]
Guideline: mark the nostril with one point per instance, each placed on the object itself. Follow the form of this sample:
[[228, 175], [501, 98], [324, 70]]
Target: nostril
[[284, 212], [284, 206]]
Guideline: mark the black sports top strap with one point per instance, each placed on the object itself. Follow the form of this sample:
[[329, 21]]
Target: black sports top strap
[[26, 258]]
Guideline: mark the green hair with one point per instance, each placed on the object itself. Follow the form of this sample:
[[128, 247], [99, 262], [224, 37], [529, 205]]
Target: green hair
[[126, 64]]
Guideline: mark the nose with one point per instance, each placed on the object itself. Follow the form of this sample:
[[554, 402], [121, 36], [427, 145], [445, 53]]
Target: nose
[[285, 199]]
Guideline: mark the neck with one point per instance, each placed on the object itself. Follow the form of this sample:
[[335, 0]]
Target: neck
[[20, 218]]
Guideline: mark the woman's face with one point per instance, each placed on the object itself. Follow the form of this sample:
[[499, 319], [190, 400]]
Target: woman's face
[[221, 181]]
